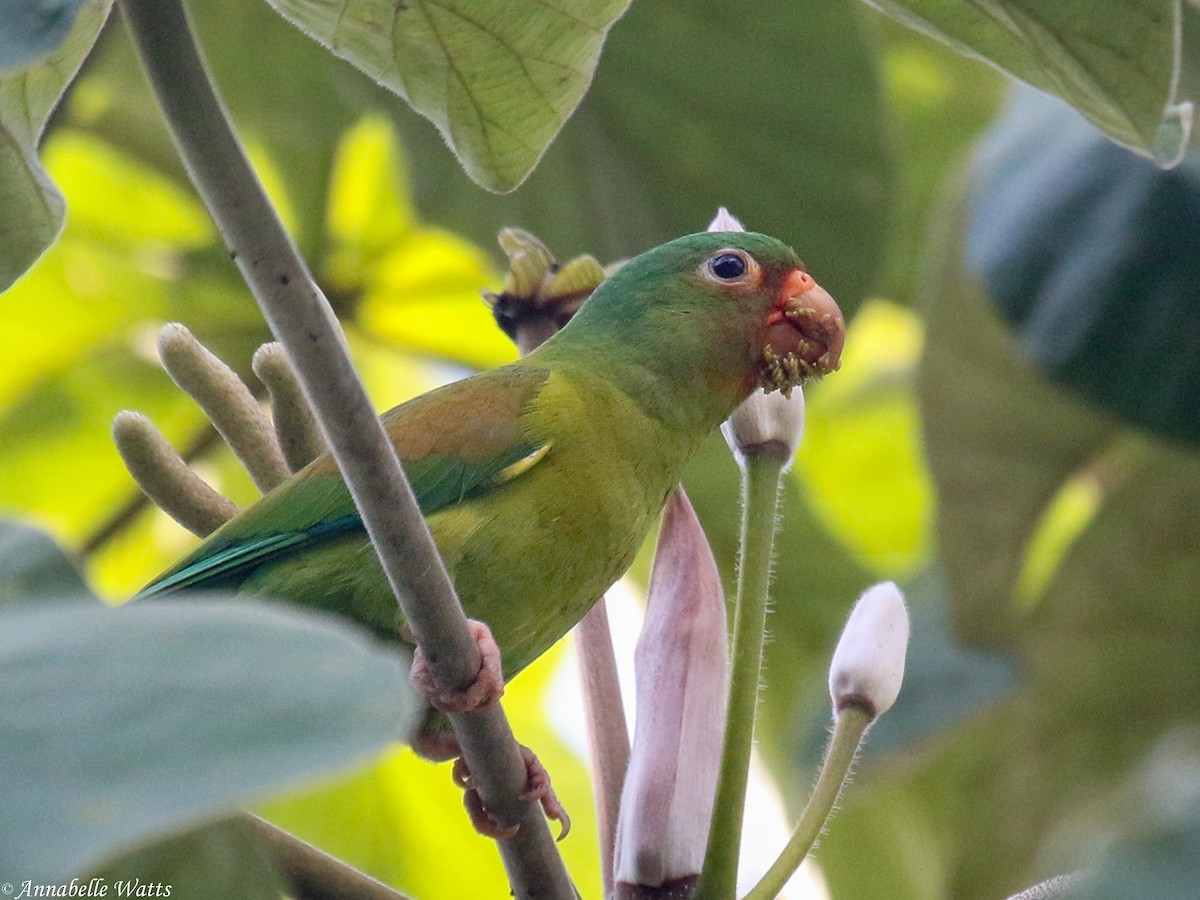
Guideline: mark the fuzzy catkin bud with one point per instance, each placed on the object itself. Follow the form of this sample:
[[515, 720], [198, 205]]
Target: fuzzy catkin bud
[[868, 664]]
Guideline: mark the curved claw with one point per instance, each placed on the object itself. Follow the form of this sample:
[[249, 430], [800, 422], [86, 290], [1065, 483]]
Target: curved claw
[[537, 787]]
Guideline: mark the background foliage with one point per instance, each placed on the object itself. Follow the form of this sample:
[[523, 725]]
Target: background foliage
[[1014, 435]]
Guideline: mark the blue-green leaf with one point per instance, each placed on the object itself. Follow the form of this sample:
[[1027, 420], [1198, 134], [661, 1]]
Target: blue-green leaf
[[120, 725]]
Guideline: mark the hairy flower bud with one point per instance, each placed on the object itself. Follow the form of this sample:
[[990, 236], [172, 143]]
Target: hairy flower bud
[[868, 664], [766, 424]]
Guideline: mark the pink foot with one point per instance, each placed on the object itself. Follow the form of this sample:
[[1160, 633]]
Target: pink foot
[[537, 787], [487, 688]]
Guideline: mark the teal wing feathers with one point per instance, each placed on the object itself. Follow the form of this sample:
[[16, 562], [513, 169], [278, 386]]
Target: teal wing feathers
[[454, 443]]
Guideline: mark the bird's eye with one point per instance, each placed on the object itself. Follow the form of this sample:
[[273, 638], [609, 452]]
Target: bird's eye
[[728, 266]]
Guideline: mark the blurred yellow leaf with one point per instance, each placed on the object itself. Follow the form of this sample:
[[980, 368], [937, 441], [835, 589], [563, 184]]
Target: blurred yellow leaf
[[426, 296], [413, 286], [370, 205], [154, 210], [861, 460]]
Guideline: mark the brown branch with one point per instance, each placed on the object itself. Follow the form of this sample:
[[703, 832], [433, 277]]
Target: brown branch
[[302, 321]]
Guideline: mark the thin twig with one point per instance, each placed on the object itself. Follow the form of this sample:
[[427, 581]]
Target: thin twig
[[312, 874], [301, 320], [608, 733]]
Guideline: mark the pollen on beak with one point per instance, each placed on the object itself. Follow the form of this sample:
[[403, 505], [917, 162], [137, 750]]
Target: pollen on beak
[[805, 334]]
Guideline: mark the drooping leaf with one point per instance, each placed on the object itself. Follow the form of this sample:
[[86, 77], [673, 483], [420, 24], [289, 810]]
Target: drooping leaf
[[1089, 252], [33, 567], [1116, 61], [121, 724], [30, 30], [31, 208], [498, 78]]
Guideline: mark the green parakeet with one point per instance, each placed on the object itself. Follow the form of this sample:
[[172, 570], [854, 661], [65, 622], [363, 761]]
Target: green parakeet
[[540, 479]]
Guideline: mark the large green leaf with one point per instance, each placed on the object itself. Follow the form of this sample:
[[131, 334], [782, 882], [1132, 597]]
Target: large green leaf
[[498, 78], [1097, 275], [659, 142], [121, 724], [31, 208], [773, 112], [1116, 61]]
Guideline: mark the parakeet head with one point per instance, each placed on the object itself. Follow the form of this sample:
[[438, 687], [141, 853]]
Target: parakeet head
[[735, 305]]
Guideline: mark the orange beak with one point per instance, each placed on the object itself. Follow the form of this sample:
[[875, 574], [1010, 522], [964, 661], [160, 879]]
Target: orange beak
[[805, 322]]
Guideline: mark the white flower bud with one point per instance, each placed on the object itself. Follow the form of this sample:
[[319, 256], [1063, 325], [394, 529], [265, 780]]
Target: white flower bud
[[769, 424], [725, 222], [868, 664], [681, 668]]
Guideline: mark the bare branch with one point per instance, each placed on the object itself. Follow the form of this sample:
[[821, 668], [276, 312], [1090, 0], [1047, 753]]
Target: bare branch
[[302, 320]]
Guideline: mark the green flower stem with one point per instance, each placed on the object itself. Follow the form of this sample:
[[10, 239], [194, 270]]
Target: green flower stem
[[848, 733], [304, 323], [761, 476]]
